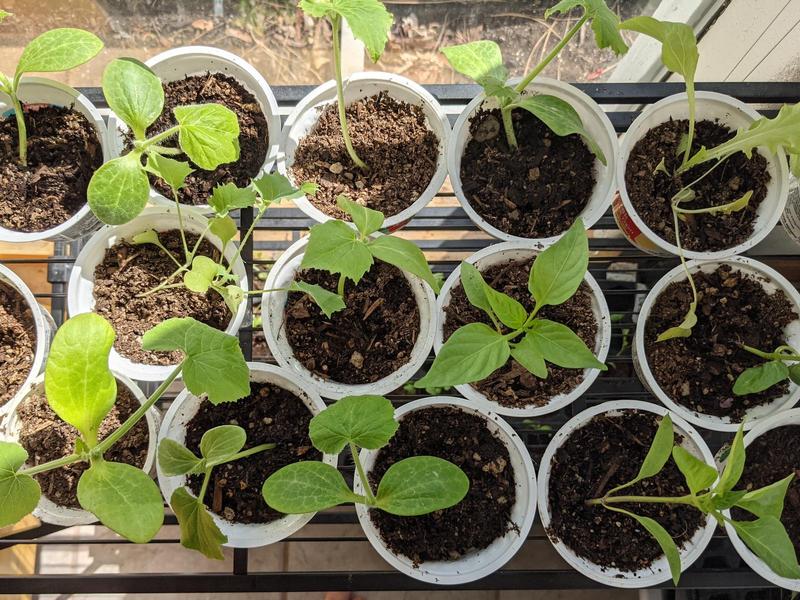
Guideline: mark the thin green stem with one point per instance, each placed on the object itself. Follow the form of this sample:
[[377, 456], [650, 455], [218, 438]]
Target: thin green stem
[[204, 485], [53, 464], [689, 499], [257, 292], [690, 136], [680, 252], [160, 137], [198, 242], [698, 180], [777, 355], [243, 454], [247, 236], [336, 22], [362, 475], [22, 130], [508, 126], [340, 285], [160, 288], [180, 224]]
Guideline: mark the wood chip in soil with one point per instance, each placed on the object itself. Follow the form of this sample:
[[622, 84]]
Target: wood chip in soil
[[391, 137], [64, 151], [699, 371], [270, 414], [17, 342], [651, 192], [481, 517]]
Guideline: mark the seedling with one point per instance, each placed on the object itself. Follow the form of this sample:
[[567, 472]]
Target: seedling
[[370, 23], [53, 51], [475, 350], [81, 390], [413, 486], [711, 495], [782, 364], [218, 446], [483, 63]]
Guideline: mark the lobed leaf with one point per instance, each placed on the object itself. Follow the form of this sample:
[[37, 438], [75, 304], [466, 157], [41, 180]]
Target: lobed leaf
[[305, 487], [561, 346], [420, 485], [558, 271], [481, 61], [58, 50], [201, 275], [228, 197], [19, 493], [209, 134], [605, 23], [198, 529], [233, 296], [366, 421], [336, 248], [274, 187], [119, 190], [366, 220], [134, 93], [761, 377], [173, 172]]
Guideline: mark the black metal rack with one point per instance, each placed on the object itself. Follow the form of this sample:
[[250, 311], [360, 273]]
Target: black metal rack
[[444, 227]]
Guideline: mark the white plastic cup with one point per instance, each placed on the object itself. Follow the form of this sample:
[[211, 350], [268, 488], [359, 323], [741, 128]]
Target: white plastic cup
[[282, 274], [658, 572], [596, 123], [38, 90], [481, 563], [183, 410], [771, 280], [514, 251], [80, 289], [711, 106], [363, 85]]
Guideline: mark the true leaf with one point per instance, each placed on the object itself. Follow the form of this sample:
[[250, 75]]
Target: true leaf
[[561, 346], [328, 302], [657, 455], [175, 459], [768, 540], [604, 22], [366, 421], [404, 255], [134, 93], [420, 485], [274, 187], [336, 248], [678, 44], [685, 328], [526, 353], [794, 373], [233, 296], [173, 172], [208, 134], [726, 500], [227, 197], [734, 464], [366, 220], [305, 487], [481, 61], [19, 493], [224, 228], [664, 540], [510, 312], [768, 500], [202, 273], [119, 190], [220, 443], [761, 377], [198, 530], [699, 476], [58, 50], [475, 288], [558, 270]]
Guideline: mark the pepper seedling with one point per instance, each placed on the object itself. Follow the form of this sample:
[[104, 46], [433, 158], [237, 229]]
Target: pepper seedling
[[370, 23], [482, 62], [53, 51], [82, 390], [410, 487], [711, 495], [775, 370], [475, 350]]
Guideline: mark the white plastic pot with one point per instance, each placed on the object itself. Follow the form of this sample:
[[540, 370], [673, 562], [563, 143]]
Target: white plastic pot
[[282, 274], [55, 514], [37, 90], [709, 106], [658, 572], [596, 123], [514, 251], [80, 290], [771, 280], [480, 563], [186, 61], [363, 85], [183, 410], [789, 417]]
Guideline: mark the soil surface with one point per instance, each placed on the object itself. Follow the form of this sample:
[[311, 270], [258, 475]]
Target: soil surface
[[512, 385], [46, 438], [602, 454], [485, 512], [651, 192], [535, 190], [391, 137], [270, 414], [366, 341], [733, 310], [17, 342], [64, 151], [771, 457], [129, 270], [253, 133]]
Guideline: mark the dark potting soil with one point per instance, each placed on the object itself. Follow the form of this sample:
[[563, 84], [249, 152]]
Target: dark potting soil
[[651, 192], [64, 151], [270, 414], [366, 341], [253, 133], [771, 457], [535, 190], [485, 512], [17, 341], [733, 310], [391, 137], [512, 385], [46, 438], [129, 270], [602, 454]]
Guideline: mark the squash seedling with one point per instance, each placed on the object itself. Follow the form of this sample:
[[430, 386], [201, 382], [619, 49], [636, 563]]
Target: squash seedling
[[475, 350], [413, 486], [81, 390], [782, 364], [482, 62], [710, 494]]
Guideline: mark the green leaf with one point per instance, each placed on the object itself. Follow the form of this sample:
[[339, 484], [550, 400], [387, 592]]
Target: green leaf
[[124, 498], [768, 500], [228, 197], [134, 93], [604, 22], [759, 378], [561, 346], [276, 187], [175, 459], [203, 272], [58, 50], [526, 353], [366, 421], [19, 493], [209, 134], [768, 540], [119, 190], [219, 444], [420, 485], [149, 236], [4, 14], [560, 118], [722, 501], [481, 61], [233, 296], [305, 487], [699, 476], [510, 312], [404, 255], [663, 538], [734, 464], [214, 363], [336, 248], [79, 386], [198, 530], [472, 353], [475, 288], [794, 373], [678, 43], [224, 228], [685, 328], [657, 456], [558, 271], [173, 172], [328, 302], [366, 220]]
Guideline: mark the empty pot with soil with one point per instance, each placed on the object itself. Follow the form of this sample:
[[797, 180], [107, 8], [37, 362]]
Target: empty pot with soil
[[372, 346], [115, 277], [742, 302], [596, 450], [486, 529], [277, 411]]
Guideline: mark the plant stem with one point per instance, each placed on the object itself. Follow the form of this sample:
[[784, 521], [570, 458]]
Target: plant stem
[[22, 130], [180, 224], [160, 137], [680, 252], [690, 500], [340, 286], [244, 454], [160, 288], [508, 126], [246, 237], [204, 485], [690, 136], [53, 464], [336, 22], [362, 475]]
